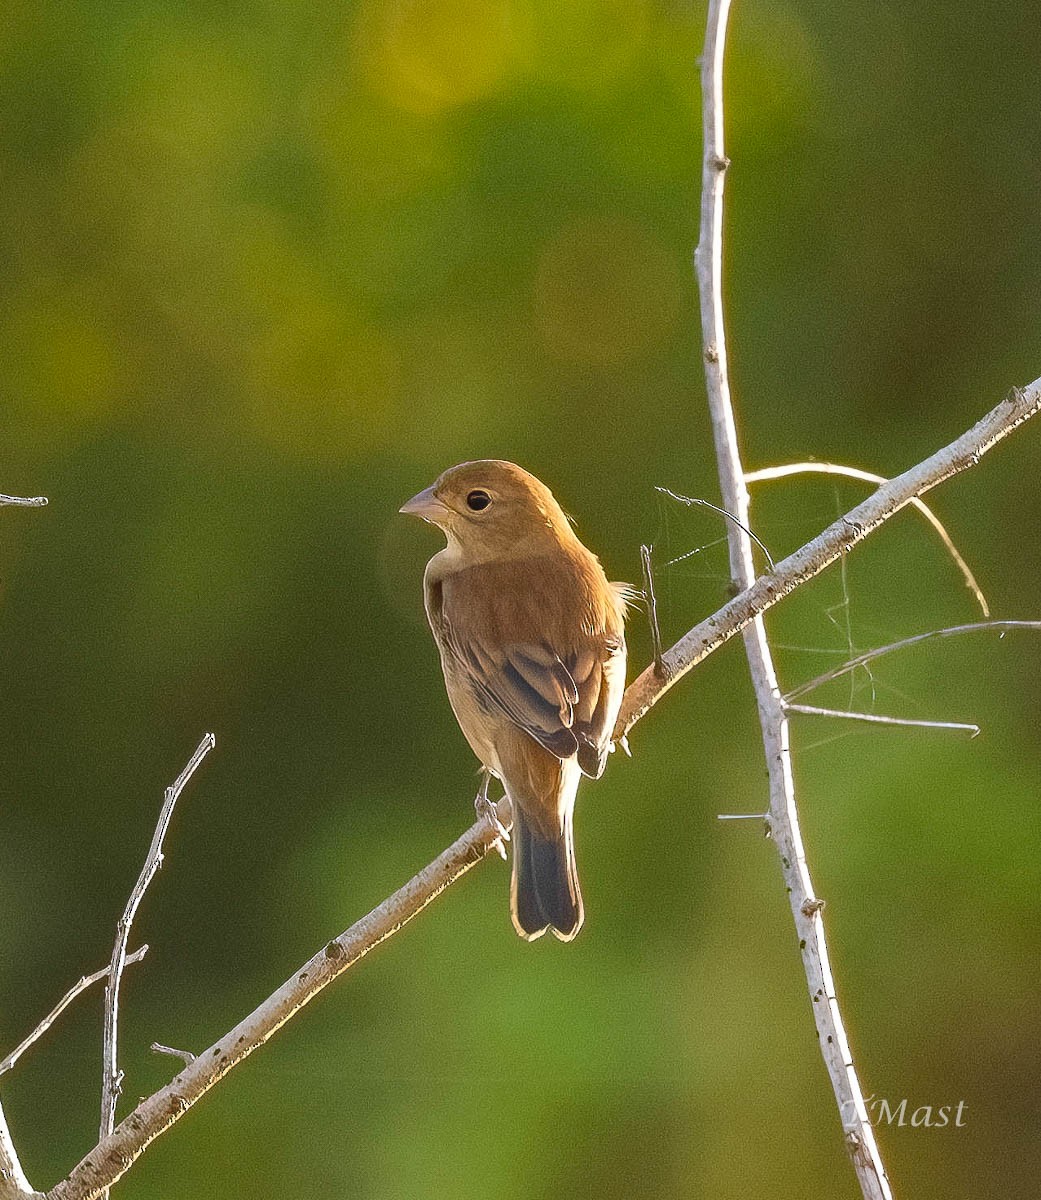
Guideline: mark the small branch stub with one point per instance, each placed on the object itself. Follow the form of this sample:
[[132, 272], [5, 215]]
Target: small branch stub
[[24, 501], [186, 1056]]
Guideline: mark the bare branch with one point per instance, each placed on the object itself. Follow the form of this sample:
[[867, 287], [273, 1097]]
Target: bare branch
[[826, 468], [25, 501], [879, 719], [111, 1074], [784, 817], [869, 655], [77, 988]]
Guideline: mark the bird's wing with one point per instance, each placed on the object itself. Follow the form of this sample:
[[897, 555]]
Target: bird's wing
[[526, 682], [564, 696]]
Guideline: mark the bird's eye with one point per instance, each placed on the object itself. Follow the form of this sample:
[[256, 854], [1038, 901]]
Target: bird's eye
[[478, 500]]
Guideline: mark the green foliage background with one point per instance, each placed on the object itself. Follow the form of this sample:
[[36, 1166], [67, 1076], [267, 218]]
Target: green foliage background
[[265, 270]]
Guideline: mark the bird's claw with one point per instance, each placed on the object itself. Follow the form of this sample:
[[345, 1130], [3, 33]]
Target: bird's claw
[[486, 811]]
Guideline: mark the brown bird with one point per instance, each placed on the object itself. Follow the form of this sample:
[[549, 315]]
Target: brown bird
[[532, 647]]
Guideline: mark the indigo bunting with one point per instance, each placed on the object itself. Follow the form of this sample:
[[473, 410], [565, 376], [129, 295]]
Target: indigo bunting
[[532, 647]]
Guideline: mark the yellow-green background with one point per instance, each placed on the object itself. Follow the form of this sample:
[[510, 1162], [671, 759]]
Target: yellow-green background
[[265, 269]]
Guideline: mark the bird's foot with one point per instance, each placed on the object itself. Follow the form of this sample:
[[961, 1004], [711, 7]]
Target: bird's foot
[[485, 810]]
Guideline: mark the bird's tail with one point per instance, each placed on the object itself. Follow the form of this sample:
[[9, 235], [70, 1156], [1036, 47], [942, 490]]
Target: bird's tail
[[544, 892]]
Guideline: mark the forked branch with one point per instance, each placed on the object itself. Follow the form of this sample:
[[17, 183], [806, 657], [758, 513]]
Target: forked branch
[[111, 1076], [783, 820]]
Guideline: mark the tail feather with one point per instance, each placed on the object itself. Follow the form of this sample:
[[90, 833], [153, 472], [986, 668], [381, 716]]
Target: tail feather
[[544, 892]]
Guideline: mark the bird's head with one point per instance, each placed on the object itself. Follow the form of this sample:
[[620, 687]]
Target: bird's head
[[492, 509]]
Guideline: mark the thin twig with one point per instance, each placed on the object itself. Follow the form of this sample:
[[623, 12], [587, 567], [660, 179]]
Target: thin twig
[[111, 1075], [652, 606], [879, 719], [25, 501], [826, 468], [868, 655], [784, 817], [77, 988], [113, 1156]]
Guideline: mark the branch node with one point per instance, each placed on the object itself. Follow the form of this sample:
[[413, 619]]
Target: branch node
[[811, 906]]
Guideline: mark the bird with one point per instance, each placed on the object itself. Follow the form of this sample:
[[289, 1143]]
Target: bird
[[532, 645]]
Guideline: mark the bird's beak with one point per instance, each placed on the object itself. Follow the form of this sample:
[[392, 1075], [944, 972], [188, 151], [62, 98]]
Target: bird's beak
[[426, 505]]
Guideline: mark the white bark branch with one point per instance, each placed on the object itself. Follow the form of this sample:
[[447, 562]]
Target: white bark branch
[[841, 714], [111, 1077], [784, 817], [109, 1160]]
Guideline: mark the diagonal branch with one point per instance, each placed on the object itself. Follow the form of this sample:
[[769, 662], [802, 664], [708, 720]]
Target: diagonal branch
[[784, 817], [109, 1160], [869, 655]]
